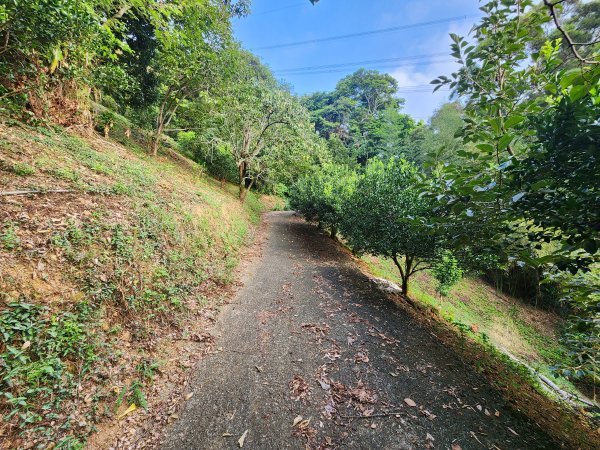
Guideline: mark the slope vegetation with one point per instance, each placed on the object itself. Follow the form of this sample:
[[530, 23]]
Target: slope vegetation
[[103, 264]]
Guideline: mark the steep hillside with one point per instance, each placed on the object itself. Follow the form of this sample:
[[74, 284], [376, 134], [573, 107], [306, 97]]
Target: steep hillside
[[102, 267]]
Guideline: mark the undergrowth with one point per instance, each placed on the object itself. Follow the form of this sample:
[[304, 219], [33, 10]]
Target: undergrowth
[[469, 318], [139, 255]]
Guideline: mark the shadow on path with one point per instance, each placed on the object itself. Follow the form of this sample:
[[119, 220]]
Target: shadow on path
[[309, 335]]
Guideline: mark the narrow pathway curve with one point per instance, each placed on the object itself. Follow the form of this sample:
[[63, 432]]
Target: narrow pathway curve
[[308, 335]]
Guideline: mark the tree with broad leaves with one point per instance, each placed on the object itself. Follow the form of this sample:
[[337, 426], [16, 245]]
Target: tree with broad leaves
[[322, 194], [261, 124], [534, 178], [191, 55], [387, 216]]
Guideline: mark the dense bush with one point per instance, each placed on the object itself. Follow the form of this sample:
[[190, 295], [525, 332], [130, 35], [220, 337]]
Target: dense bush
[[387, 216], [47, 43], [380, 212], [322, 195], [446, 271]]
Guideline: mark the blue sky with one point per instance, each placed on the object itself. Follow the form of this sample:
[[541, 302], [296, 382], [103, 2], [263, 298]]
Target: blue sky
[[275, 22]]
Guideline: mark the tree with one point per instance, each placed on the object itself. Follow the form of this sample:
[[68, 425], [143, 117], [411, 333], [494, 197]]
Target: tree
[[533, 118], [581, 21], [386, 216], [51, 45], [363, 113], [191, 55], [438, 143], [370, 90], [509, 102], [322, 194], [262, 123]]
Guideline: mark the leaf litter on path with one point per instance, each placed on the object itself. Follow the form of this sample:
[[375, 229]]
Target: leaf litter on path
[[300, 390], [242, 439]]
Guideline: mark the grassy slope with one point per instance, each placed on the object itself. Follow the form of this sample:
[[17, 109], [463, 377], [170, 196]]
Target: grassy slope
[[528, 333], [106, 277], [475, 311]]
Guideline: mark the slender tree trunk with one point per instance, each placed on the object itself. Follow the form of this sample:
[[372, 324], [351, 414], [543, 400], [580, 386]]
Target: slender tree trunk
[[245, 190], [160, 124], [333, 233], [406, 271], [165, 114], [405, 286], [242, 180], [156, 139]]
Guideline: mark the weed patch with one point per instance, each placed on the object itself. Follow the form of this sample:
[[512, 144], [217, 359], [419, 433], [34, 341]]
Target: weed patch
[[111, 271]]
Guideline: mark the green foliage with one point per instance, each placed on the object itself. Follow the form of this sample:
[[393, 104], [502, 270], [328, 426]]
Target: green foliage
[[581, 20], [361, 118], [521, 162], [387, 216], [265, 128], [106, 120], [446, 271], [531, 126], [49, 41], [22, 169], [321, 196], [582, 335], [39, 347], [436, 144], [9, 237]]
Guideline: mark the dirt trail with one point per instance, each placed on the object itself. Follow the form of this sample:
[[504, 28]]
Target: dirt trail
[[309, 335]]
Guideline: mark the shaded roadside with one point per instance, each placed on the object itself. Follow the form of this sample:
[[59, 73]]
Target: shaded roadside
[[309, 340]]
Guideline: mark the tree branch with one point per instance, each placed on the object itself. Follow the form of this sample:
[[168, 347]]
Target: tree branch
[[572, 45]]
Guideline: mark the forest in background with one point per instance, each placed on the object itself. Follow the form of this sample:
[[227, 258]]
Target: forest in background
[[501, 183]]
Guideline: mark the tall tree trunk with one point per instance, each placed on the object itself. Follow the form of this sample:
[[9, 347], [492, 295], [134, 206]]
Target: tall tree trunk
[[160, 124], [406, 271], [242, 180], [156, 139], [333, 233], [165, 114], [405, 286]]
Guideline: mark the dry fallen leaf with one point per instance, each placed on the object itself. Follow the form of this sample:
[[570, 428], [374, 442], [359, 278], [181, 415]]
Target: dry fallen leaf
[[297, 420], [512, 431], [410, 402], [300, 388], [303, 425], [324, 385], [129, 410], [26, 345], [242, 439], [429, 441], [227, 434], [455, 446], [188, 396]]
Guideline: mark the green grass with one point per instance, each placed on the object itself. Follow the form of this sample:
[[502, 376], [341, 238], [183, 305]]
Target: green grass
[[22, 169], [505, 323], [155, 233]]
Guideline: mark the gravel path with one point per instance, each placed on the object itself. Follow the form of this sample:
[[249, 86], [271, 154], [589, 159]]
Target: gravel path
[[309, 337]]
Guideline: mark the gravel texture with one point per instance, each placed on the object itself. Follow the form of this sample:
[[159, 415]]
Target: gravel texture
[[308, 336]]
